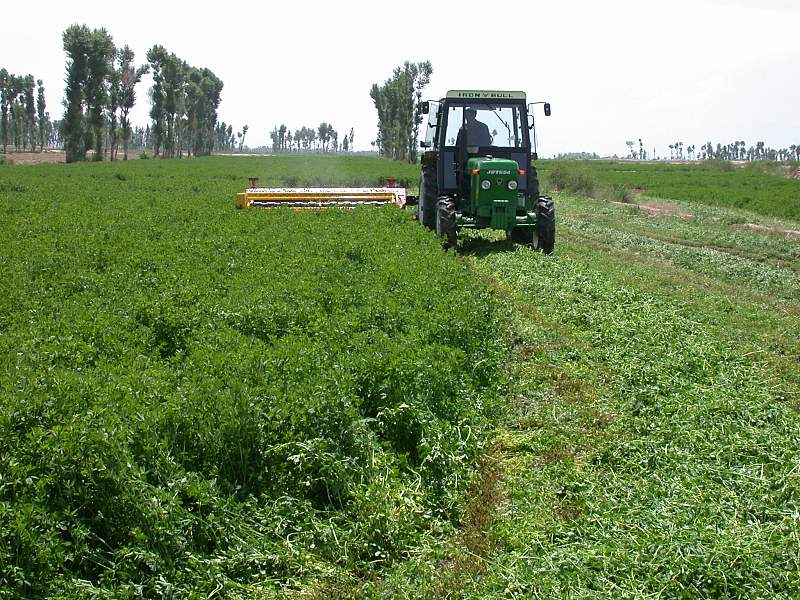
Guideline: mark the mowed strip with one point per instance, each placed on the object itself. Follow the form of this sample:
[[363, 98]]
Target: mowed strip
[[654, 447], [651, 446]]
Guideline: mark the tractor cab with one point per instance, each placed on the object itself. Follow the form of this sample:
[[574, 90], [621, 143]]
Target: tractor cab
[[470, 127], [478, 166]]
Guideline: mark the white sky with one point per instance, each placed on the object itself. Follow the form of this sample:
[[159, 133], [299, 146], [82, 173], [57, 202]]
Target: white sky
[[682, 70]]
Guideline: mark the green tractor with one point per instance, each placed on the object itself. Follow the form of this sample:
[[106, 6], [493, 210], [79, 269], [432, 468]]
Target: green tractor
[[477, 169]]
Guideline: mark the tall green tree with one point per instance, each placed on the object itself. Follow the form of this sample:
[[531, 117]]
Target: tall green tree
[[41, 112], [5, 107], [100, 56], [203, 96], [244, 134], [29, 102], [112, 109], [76, 39], [156, 56], [128, 76], [396, 102]]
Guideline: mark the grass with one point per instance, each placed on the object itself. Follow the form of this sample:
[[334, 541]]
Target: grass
[[647, 444], [714, 183], [652, 445], [200, 400]]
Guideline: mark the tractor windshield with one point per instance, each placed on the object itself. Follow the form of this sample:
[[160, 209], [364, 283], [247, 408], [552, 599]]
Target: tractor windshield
[[485, 125]]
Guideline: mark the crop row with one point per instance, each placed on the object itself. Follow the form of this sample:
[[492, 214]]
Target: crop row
[[714, 183], [194, 398]]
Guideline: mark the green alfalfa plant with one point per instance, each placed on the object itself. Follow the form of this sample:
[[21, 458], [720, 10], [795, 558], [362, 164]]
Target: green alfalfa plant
[[225, 381]]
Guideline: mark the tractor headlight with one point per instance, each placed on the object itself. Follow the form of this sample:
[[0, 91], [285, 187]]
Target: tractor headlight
[[512, 185], [486, 184]]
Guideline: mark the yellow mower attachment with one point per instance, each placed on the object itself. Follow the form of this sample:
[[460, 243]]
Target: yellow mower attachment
[[318, 198]]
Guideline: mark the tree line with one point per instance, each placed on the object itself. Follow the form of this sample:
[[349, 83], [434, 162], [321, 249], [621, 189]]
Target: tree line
[[101, 91], [184, 106], [99, 94], [736, 150], [310, 139], [24, 121], [396, 102]]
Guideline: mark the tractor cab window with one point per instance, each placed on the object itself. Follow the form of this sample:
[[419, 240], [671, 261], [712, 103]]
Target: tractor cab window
[[503, 125], [485, 125], [433, 123], [455, 119]]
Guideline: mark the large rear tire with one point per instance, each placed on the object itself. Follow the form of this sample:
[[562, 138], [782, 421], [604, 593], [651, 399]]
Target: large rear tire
[[446, 221], [428, 193], [545, 233]]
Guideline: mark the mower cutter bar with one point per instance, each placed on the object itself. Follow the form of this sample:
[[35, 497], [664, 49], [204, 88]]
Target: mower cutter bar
[[317, 198]]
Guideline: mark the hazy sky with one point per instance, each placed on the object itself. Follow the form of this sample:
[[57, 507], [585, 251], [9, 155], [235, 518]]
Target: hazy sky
[[691, 71]]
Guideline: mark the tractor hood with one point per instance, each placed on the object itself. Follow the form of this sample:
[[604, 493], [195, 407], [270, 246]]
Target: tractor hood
[[490, 166], [493, 190]]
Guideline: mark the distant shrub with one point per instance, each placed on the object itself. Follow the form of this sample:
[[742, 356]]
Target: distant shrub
[[772, 167], [143, 155], [577, 178], [5, 160], [571, 176], [724, 166], [619, 193]]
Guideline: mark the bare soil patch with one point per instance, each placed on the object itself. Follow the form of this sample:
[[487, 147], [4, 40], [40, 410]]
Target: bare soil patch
[[242, 154], [35, 158], [792, 233], [656, 209], [52, 156]]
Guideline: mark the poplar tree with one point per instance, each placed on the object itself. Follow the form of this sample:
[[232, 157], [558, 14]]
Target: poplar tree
[[100, 57], [40, 110], [156, 57], [5, 107], [122, 96], [76, 45], [29, 102], [244, 133], [396, 102]]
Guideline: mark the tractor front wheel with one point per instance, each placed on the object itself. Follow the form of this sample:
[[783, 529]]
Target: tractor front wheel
[[446, 221], [545, 238]]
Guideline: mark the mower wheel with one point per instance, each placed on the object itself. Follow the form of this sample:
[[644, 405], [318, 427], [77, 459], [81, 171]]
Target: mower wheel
[[426, 210], [446, 221], [545, 235]]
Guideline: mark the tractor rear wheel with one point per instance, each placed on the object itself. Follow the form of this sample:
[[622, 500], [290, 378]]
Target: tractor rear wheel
[[428, 193], [446, 221], [545, 234]]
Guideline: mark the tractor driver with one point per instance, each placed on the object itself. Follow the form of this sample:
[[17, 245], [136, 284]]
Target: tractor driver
[[477, 132]]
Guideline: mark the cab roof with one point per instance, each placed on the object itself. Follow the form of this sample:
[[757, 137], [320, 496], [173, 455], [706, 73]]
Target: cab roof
[[486, 94]]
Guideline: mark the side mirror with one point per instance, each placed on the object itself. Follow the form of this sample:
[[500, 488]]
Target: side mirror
[[424, 107], [546, 109], [423, 144], [534, 156]]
